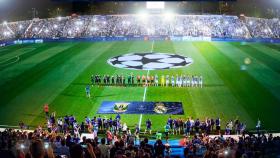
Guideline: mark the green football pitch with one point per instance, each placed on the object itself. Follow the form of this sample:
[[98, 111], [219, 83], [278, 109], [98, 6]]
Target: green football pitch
[[57, 73]]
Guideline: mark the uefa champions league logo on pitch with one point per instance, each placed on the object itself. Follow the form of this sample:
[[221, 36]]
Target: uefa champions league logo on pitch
[[150, 61]]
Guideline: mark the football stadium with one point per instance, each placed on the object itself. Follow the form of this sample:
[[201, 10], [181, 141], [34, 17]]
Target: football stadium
[[110, 79]]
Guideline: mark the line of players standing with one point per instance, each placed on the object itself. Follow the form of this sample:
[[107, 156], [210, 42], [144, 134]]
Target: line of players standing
[[148, 80]]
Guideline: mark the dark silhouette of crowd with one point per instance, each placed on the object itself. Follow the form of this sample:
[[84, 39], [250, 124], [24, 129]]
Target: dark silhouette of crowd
[[42, 144], [112, 138]]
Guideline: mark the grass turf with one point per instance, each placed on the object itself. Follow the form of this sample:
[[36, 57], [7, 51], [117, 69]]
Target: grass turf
[[56, 73]]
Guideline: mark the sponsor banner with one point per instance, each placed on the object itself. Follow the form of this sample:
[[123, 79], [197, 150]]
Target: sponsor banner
[[26, 41], [137, 38], [190, 38], [138, 107]]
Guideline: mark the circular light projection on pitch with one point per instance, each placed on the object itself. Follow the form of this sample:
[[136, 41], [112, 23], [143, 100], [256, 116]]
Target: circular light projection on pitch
[[150, 61]]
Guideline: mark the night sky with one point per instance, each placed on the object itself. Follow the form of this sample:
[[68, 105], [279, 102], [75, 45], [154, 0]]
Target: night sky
[[22, 9]]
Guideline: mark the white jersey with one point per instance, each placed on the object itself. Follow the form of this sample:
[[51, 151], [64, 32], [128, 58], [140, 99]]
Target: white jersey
[[167, 80], [156, 79], [184, 81], [180, 81]]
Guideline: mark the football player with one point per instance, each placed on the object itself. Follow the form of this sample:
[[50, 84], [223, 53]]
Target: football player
[[172, 81], [156, 80], [167, 80], [162, 80]]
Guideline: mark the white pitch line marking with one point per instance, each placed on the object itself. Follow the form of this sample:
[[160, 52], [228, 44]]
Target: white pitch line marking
[[145, 90]]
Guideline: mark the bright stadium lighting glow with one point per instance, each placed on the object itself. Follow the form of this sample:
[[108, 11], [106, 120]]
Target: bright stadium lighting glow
[[22, 146], [150, 31], [251, 22], [78, 23], [7, 33], [205, 28], [180, 28], [169, 16], [93, 29], [104, 22], [238, 30], [125, 22], [196, 23], [226, 152], [143, 16], [217, 22], [155, 5]]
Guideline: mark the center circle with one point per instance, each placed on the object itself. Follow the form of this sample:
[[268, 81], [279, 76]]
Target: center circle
[[150, 61]]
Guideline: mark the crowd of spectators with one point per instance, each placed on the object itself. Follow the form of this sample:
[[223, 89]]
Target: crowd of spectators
[[62, 139], [259, 28], [111, 137], [159, 25]]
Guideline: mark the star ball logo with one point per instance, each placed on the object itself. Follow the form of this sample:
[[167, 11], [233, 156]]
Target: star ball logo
[[150, 61]]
